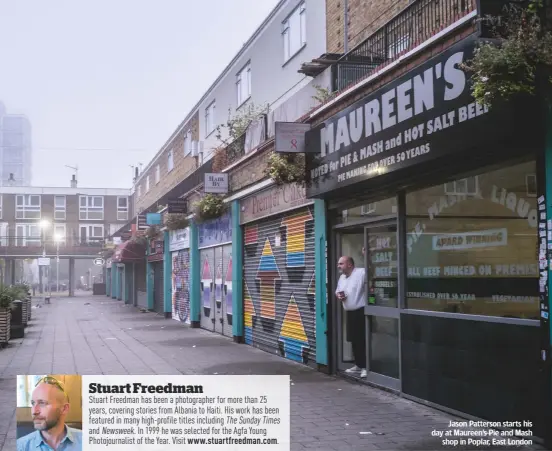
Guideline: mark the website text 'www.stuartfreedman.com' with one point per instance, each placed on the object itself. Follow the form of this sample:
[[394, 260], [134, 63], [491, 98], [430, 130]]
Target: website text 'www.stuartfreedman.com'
[[231, 441]]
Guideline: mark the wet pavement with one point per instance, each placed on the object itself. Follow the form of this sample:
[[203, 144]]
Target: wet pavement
[[98, 335]]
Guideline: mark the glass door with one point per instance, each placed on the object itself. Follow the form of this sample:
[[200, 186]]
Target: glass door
[[382, 304]]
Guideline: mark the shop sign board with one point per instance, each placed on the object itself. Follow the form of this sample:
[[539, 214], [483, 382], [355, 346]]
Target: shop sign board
[[216, 231], [179, 239], [216, 183], [427, 113], [178, 206], [289, 137], [271, 201]]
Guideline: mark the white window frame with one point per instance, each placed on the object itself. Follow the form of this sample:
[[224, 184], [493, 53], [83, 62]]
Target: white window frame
[[28, 239], [243, 84], [157, 174], [63, 227], [147, 183], [84, 212], [291, 49], [188, 143], [210, 118], [454, 187], [90, 227], [26, 207], [0, 206], [530, 179], [60, 214], [122, 212], [4, 234], [170, 162]]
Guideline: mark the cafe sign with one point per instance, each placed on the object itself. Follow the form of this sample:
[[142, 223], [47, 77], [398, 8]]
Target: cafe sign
[[274, 200]]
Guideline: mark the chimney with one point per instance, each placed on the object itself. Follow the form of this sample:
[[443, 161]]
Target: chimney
[[11, 180], [74, 182], [136, 173]]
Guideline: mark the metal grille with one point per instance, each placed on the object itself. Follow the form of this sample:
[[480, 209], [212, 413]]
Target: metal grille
[[121, 283], [158, 287], [415, 24], [181, 285], [279, 304], [207, 311]]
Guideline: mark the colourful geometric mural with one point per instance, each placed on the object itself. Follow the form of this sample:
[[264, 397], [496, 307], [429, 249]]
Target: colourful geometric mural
[[292, 334], [206, 281], [295, 244], [218, 284], [251, 235], [181, 285], [279, 285], [248, 315], [228, 286], [268, 274]]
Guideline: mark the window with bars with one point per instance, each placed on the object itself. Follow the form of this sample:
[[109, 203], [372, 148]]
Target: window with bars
[[27, 206], [60, 205], [91, 208], [122, 208]]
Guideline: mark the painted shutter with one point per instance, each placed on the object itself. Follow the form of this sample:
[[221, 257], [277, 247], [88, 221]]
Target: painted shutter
[[279, 285]]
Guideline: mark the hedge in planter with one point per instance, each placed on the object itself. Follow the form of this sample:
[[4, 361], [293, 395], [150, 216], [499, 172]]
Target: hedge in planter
[[5, 315], [176, 221], [210, 207]]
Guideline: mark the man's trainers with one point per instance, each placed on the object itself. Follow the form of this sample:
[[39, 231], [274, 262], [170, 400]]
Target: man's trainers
[[354, 369], [363, 373]]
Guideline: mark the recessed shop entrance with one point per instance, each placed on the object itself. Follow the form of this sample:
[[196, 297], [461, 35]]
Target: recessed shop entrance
[[373, 245]]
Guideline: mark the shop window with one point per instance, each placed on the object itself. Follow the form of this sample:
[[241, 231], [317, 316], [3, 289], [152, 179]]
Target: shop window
[[468, 186], [475, 254], [383, 207]]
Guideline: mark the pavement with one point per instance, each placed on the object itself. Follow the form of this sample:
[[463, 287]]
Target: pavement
[[97, 335]]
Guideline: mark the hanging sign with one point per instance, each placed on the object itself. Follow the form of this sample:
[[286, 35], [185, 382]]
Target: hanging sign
[[289, 137], [216, 183]]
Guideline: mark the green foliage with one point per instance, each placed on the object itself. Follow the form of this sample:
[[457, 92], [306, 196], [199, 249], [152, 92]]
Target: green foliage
[[286, 168], [176, 221], [322, 94], [152, 232], [237, 124], [209, 207], [141, 240], [6, 297], [509, 68]]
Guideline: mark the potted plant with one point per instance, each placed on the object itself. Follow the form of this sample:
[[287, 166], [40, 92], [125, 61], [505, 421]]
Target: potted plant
[[210, 207], [176, 221], [5, 315], [141, 240], [152, 232], [286, 168], [509, 66]]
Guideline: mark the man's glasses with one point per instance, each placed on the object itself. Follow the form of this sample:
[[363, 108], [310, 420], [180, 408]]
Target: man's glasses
[[52, 381]]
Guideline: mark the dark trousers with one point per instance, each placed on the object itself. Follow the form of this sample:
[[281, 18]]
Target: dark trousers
[[356, 334]]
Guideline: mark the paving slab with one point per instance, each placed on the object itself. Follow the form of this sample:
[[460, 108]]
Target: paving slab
[[98, 335]]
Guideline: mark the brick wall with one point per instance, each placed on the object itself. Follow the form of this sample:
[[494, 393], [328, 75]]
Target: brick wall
[[183, 167], [364, 18]]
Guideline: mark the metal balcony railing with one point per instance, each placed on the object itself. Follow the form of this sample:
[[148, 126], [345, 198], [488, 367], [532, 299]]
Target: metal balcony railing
[[415, 24], [13, 245]]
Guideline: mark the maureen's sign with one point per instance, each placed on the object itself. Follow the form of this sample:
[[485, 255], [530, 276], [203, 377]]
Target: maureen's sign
[[422, 115]]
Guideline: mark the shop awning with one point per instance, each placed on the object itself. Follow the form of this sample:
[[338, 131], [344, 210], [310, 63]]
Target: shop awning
[[129, 252]]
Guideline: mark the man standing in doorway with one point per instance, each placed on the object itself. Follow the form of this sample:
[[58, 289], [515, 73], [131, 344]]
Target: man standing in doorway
[[351, 291]]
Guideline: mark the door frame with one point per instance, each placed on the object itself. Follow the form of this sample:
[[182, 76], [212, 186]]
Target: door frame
[[381, 311]]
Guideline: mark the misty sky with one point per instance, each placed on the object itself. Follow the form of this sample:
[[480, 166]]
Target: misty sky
[[113, 75]]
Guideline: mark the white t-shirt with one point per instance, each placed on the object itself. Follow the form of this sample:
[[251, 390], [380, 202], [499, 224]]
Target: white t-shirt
[[354, 287]]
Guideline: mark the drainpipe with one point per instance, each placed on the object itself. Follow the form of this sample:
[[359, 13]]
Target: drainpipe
[[345, 26]]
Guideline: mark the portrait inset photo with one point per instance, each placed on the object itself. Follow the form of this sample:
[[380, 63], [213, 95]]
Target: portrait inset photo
[[49, 412]]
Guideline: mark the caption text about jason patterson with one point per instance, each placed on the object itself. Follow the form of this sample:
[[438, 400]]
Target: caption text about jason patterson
[[194, 412], [486, 433]]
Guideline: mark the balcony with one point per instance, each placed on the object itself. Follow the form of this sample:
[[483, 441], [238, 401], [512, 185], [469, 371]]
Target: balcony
[[415, 24], [32, 248]]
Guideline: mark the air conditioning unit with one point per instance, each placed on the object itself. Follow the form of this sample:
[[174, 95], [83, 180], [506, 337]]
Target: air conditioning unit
[[195, 148]]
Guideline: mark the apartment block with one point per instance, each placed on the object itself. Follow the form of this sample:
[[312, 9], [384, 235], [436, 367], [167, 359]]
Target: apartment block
[[15, 149]]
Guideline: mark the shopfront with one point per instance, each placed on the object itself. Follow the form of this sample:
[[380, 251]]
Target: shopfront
[[126, 257], [180, 256], [155, 258], [279, 283], [215, 253], [436, 198]]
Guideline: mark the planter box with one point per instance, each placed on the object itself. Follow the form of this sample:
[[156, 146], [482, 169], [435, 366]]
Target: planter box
[[25, 314], [5, 320], [29, 308]]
